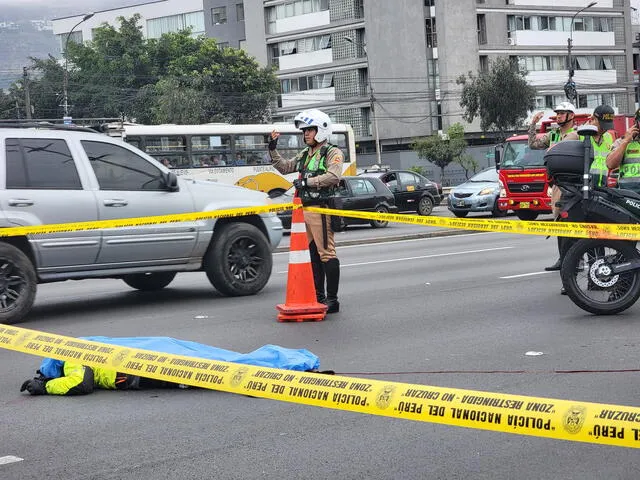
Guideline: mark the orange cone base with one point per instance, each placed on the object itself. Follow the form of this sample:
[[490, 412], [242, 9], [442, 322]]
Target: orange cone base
[[314, 312]]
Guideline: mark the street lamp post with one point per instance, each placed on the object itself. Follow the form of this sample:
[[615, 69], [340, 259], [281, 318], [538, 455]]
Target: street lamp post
[[372, 107], [570, 86], [65, 86]]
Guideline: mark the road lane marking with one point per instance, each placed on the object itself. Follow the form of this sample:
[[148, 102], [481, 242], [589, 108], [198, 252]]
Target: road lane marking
[[10, 459], [525, 275], [421, 257], [360, 245]]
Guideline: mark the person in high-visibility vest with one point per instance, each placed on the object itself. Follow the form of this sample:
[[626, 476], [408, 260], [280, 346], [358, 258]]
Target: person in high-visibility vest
[[320, 169], [565, 112], [625, 156], [601, 143]]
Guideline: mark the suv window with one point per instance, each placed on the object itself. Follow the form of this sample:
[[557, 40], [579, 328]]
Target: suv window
[[40, 163], [117, 168]]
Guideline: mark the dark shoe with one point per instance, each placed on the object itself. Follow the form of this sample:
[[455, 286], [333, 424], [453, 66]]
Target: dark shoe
[[333, 305], [563, 291], [556, 266]]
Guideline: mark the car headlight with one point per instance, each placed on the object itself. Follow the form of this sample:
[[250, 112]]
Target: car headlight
[[487, 191]]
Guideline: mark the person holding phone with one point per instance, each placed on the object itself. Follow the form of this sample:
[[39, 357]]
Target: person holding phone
[[625, 155]]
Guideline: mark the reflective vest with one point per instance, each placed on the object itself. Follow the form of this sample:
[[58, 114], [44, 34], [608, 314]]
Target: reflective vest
[[630, 167], [312, 166], [599, 168], [556, 136]]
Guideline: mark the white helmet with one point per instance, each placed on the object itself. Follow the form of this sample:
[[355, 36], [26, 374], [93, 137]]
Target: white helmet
[[565, 107], [314, 118]]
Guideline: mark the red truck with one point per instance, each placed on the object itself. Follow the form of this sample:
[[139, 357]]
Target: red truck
[[524, 186]]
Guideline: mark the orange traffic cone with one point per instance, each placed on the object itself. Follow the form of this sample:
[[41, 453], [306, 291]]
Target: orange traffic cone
[[301, 304]]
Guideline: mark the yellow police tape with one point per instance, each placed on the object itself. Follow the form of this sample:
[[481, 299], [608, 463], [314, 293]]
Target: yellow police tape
[[132, 222], [563, 229], [542, 417]]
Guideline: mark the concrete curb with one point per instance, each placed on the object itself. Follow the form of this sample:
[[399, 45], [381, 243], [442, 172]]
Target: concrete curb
[[393, 238]]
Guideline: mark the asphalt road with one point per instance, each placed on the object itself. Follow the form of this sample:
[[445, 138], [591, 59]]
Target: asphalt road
[[468, 302]]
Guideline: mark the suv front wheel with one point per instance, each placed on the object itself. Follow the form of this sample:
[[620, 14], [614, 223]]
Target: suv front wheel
[[239, 260], [18, 284]]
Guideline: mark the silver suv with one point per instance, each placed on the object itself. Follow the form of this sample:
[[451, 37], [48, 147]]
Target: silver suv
[[59, 175]]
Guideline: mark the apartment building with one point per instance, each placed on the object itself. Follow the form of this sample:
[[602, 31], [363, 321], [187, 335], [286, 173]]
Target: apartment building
[[391, 66]]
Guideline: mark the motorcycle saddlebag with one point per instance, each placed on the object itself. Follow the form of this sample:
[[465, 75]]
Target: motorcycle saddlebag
[[565, 157]]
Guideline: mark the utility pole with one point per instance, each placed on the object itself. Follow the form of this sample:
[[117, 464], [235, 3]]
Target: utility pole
[[570, 86], [65, 79], [372, 100], [27, 97]]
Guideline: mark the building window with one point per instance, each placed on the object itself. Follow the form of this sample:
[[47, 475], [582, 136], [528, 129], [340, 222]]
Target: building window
[[240, 12], [559, 24], [312, 82], [293, 9], [219, 15], [302, 45], [484, 63], [482, 30], [156, 27], [559, 62]]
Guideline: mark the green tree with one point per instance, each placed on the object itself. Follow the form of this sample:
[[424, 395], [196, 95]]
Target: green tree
[[468, 163], [440, 151], [7, 105], [501, 97], [174, 79]]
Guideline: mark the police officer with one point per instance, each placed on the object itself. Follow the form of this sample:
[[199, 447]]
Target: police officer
[[320, 168], [601, 143], [565, 113], [625, 155]]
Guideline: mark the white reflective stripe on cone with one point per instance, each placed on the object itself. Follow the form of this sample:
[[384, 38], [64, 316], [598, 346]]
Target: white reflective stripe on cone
[[299, 256], [298, 228]]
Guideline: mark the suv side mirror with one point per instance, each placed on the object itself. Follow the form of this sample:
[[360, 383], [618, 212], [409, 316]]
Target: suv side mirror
[[170, 180]]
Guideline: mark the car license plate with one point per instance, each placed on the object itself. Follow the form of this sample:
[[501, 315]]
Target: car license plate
[[524, 204], [460, 203]]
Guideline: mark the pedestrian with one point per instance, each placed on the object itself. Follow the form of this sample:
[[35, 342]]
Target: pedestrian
[[625, 155], [565, 113], [320, 168], [601, 144]]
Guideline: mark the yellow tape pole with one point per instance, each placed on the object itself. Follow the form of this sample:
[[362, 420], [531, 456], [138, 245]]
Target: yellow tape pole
[[604, 424], [132, 222], [563, 229]]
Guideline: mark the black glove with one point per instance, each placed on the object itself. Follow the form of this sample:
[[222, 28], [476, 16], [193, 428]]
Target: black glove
[[273, 143], [35, 386], [300, 183]]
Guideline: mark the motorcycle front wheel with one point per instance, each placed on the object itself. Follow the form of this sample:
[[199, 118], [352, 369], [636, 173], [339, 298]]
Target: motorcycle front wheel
[[588, 278]]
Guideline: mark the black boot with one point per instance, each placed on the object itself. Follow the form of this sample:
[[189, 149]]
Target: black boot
[[318, 273], [332, 270], [554, 267]]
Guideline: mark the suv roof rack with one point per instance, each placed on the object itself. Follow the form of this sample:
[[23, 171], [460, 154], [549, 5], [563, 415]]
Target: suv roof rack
[[46, 126]]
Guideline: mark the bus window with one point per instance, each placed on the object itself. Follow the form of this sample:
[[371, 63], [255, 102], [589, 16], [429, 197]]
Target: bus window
[[251, 150], [340, 140], [156, 145], [210, 150], [135, 141]]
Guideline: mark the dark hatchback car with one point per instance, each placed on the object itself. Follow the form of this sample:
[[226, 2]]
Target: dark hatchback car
[[412, 191], [355, 193]]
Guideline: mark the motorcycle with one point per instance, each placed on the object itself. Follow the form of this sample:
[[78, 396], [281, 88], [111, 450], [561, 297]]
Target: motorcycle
[[600, 276]]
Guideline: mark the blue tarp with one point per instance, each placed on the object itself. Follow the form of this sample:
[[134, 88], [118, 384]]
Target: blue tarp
[[271, 356]]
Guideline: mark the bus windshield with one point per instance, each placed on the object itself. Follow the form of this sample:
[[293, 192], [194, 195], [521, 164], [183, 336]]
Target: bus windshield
[[518, 154]]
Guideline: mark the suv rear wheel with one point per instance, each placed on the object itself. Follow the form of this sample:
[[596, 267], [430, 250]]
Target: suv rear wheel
[[239, 260], [425, 206], [18, 284], [149, 281]]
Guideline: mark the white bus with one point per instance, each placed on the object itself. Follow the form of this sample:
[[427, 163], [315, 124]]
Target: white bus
[[235, 154]]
